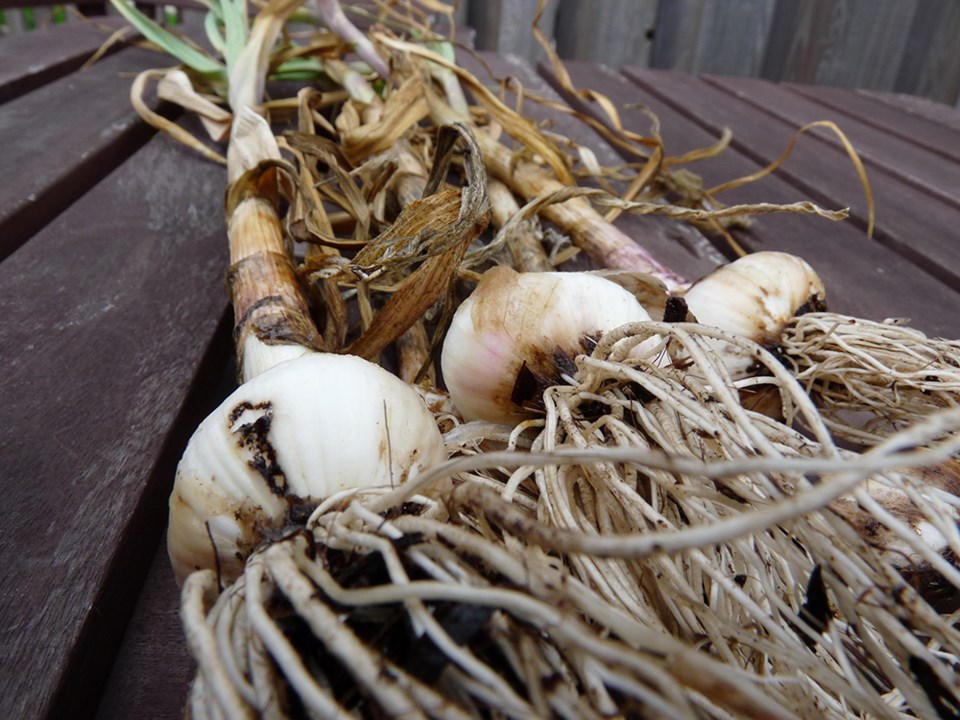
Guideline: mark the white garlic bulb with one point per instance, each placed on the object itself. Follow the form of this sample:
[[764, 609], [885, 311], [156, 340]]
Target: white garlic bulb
[[288, 438], [518, 333], [756, 297]]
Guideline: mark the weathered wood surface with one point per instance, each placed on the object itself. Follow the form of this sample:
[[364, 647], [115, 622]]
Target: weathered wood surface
[[942, 140], [106, 314], [62, 138], [30, 60], [115, 337], [821, 171]]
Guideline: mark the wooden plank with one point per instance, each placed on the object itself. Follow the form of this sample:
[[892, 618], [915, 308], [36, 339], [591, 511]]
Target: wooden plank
[[850, 43], [921, 107], [153, 669], [106, 315], [922, 168], [942, 140], [911, 222], [862, 277], [30, 60], [613, 32], [678, 246], [61, 139], [85, 5]]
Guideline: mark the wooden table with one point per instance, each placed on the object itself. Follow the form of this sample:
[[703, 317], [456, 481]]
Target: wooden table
[[115, 331]]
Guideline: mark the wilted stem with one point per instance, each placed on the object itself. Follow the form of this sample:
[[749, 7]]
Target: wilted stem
[[604, 243], [524, 242]]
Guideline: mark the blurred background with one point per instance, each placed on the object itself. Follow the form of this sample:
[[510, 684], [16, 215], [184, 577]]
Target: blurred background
[[905, 46]]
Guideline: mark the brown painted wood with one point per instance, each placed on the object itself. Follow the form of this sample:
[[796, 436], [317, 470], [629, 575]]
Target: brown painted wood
[[677, 246], [106, 316], [918, 166], [914, 224], [942, 140], [87, 6], [919, 106], [862, 277], [63, 138], [152, 671], [30, 60]]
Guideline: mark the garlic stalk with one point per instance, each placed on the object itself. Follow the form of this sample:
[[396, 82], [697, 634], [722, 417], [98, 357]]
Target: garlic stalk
[[519, 333], [755, 297], [304, 424]]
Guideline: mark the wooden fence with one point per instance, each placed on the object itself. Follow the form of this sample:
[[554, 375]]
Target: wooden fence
[[908, 46]]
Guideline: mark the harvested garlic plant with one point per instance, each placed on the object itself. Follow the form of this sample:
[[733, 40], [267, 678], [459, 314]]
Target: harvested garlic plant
[[284, 440], [518, 333], [755, 297]]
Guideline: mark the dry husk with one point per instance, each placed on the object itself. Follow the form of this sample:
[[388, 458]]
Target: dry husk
[[647, 548]]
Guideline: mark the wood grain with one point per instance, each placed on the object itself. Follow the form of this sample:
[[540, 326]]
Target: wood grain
[[894, 120], [905, 213], [152, 670], [63, 138], [106, 316], [613, 32], [849, 43], [919, 166], [698, 36], [30, 60], [930, 64], [505, 26], [919, 106]]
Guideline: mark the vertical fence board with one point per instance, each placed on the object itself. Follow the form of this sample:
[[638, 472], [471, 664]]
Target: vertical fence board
[[613, 32], [677, 34], [505, 26], [931, 60], [850, 43], [733, 37]]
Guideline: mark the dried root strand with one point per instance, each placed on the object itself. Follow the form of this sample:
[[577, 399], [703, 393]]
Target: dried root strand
[[658, 547], [872, 378]]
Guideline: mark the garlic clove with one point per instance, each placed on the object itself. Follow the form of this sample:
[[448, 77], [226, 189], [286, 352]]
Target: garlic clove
[[518, 333], [293, 435], [756, 297]]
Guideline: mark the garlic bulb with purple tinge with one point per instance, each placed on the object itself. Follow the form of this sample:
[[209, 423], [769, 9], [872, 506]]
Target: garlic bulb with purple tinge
[[519, 333]]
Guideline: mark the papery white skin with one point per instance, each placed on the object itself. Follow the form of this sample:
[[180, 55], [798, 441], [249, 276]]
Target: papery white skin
[[755, 296], [512, 318], [335, 422]]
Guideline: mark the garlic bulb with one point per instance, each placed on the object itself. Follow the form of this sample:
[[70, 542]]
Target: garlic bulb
[[518, 333], [755, 297], [285, 440]]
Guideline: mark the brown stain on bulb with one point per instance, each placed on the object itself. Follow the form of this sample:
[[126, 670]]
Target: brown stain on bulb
[[253, 437]]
